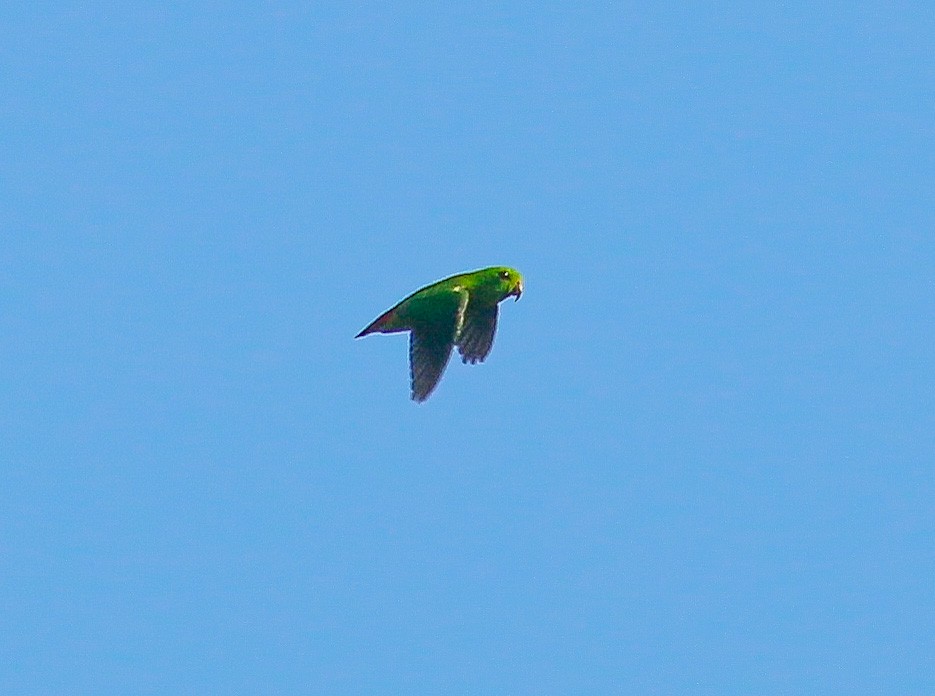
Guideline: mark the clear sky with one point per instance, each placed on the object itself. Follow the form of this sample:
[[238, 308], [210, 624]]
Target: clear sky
[[699, 459]]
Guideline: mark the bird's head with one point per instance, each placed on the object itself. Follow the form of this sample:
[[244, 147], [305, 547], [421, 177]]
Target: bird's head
[[506, 282]]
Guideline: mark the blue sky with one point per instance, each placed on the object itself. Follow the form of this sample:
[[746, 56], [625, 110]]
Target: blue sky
[[699, 459]]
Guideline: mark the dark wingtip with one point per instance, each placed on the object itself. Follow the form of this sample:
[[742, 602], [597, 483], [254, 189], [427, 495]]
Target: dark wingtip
[[418, 397]]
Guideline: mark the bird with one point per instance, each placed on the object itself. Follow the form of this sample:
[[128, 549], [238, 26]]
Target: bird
[[460, 310]]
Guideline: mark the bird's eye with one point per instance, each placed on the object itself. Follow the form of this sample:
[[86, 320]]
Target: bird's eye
[[504, 274]]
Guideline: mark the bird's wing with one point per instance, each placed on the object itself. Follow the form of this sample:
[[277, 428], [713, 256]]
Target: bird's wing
[[477, 332], [431, 340]]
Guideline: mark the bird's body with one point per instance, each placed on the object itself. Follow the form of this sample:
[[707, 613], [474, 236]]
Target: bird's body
[[457, 311]]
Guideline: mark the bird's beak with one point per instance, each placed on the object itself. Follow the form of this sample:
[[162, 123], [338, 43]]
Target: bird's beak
[[517, 291]]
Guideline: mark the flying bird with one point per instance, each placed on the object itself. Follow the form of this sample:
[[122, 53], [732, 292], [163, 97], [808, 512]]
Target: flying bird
[[457, 311]]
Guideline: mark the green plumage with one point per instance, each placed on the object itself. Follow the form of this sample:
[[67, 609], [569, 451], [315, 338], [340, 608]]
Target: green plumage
[[457, 311]]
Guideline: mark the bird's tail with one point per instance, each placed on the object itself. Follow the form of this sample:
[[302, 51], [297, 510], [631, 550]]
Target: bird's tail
[[382, 324]]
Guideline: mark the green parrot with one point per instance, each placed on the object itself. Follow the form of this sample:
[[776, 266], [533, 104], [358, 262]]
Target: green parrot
[[457, 311]]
